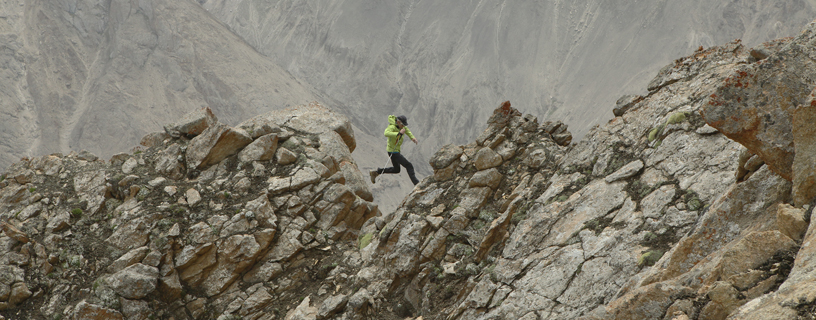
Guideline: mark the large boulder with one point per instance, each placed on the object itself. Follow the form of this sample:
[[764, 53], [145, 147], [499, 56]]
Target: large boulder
[[216, 143], [755, 104], [310, 119], [135, 282], [192, 124]]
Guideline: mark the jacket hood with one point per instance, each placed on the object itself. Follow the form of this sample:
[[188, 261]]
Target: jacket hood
[[392, 120]]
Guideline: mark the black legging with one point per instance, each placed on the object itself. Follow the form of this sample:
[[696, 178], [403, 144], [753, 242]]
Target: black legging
[[398, 160]]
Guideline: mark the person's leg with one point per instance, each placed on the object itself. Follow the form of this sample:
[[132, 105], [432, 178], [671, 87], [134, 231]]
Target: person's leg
[[395, 168], [398, 160]]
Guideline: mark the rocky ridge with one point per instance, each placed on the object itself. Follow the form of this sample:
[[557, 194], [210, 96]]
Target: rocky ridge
[[656, 215], [203, 221]]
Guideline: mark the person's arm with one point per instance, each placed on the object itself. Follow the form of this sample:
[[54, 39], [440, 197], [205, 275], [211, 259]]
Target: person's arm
[[411, 135]]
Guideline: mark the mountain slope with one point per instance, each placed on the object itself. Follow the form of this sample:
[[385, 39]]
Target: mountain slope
[[99, 75]]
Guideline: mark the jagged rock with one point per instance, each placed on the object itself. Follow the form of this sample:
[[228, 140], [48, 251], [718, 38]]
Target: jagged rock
[[486, 158], [229, 227], [135, 282], [285, 157], [5, 290], [262, 149], [153, 139], [13, 194], [496, 231], [19, 293], [481, 294], [654, 203], [536, 158], [804, 144], [332, 305], [706, 130], [58, 222], [791, 221], [445, 156], [13, 232], [197, 307], [486, 178], [192, 123], [170, 287], [625, 103], [131, 234], [192, 196], [235, 254], [625, 172], [87, 311], [706, 171], [91, 186], [749, 253], [129, 165], [682, 261], [359, 301], [649, 302], [128, 259], [569, 238], [303, 311], [286, 247], [136, 309], [474, 198], [763, 123], [256, 301], [216, 143], [170, 162], [263, 272], [355, 180], [311, 119], [299, 179], [724, 299]]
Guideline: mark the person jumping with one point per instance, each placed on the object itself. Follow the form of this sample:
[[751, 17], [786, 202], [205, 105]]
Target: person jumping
[[397, 128]]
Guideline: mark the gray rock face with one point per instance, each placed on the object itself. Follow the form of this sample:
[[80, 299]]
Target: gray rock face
[[135, 282]]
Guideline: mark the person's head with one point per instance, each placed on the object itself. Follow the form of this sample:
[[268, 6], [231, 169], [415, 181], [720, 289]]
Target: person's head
[[402, 121]]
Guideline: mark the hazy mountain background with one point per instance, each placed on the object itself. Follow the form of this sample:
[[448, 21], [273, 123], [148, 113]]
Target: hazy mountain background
[[98, 75]]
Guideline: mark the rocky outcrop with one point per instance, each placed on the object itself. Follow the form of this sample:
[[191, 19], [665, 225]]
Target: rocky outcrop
[[202, 223], [656, 215]]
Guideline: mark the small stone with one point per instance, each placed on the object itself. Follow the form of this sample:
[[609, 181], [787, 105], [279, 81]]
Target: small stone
[[87, 311], [193, 197], [625, 172], [285, 157], [19, 293], [706, 130], [58, 222], [157, 182], [13, 232], [129, 165]]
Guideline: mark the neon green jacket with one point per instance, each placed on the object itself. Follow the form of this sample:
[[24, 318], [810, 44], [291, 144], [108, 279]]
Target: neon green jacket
[[394, 138]]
